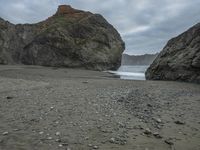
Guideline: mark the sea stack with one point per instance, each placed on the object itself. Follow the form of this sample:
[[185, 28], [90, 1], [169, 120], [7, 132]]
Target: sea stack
[[180, 59], [69, 38]]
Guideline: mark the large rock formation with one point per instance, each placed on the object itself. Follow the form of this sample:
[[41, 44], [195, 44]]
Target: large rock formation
[[70, 38], [180, 58], [145, 59]]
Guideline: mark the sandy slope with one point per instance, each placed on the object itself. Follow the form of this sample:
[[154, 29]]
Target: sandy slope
[[49, 108]]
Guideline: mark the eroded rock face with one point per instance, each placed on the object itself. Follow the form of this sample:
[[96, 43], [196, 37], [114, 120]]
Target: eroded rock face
[[180, 58], [70, 38]]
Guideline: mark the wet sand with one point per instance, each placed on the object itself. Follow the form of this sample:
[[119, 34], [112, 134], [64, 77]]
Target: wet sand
[[71, 109]]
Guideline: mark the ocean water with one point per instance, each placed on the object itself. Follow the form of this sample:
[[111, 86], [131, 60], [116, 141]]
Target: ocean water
[[131, 72]]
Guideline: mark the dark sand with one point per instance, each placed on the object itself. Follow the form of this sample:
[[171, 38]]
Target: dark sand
[[67, 109]]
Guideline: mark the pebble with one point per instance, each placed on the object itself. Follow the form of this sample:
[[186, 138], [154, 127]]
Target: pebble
[[169, 141], [95, 147], [16, 129], [112, 140], [149, 105], [90, 145], [5, 133], [49, 138], [85, 82], [179, 122], [58, 140], [157, 135], [57, 133], [158, 120], [65, 144], [9, 97], [41, 132], [147, 131]]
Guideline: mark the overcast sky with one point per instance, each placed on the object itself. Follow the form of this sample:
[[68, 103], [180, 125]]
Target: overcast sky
[[145, 25]]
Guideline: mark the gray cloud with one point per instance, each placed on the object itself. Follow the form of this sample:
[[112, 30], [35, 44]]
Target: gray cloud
[[145, 25]]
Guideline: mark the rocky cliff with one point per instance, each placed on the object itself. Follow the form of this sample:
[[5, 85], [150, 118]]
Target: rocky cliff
[[145, 59], [180, 58], [70, 38]]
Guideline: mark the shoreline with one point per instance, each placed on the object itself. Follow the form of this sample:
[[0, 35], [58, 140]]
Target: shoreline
[[47, 108]]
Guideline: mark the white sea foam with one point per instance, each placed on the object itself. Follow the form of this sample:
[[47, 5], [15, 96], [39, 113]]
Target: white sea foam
[[131, 72]]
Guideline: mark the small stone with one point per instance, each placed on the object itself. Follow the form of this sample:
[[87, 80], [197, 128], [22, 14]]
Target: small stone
[[41, 132], [51, 107], [157, 135], [60, 145], [149, 105], [49, 138], [147, 131], [58, 140], [65, 144], [57, 133], [85, 82], [90, 145], [169, 141], [95, 147], [9, 97], [5, 133], [179, 122], [158, 120], [112, 140], [15, 129]]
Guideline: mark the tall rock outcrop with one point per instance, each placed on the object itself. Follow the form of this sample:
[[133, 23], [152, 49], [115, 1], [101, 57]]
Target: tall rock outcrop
[[180, 58], [69, 38]]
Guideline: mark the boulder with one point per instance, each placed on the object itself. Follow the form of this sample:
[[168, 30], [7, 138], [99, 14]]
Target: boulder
[[69, 38], [179, 60]]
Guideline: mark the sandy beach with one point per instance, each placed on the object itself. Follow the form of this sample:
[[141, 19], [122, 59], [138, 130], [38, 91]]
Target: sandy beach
[[72, 109]]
